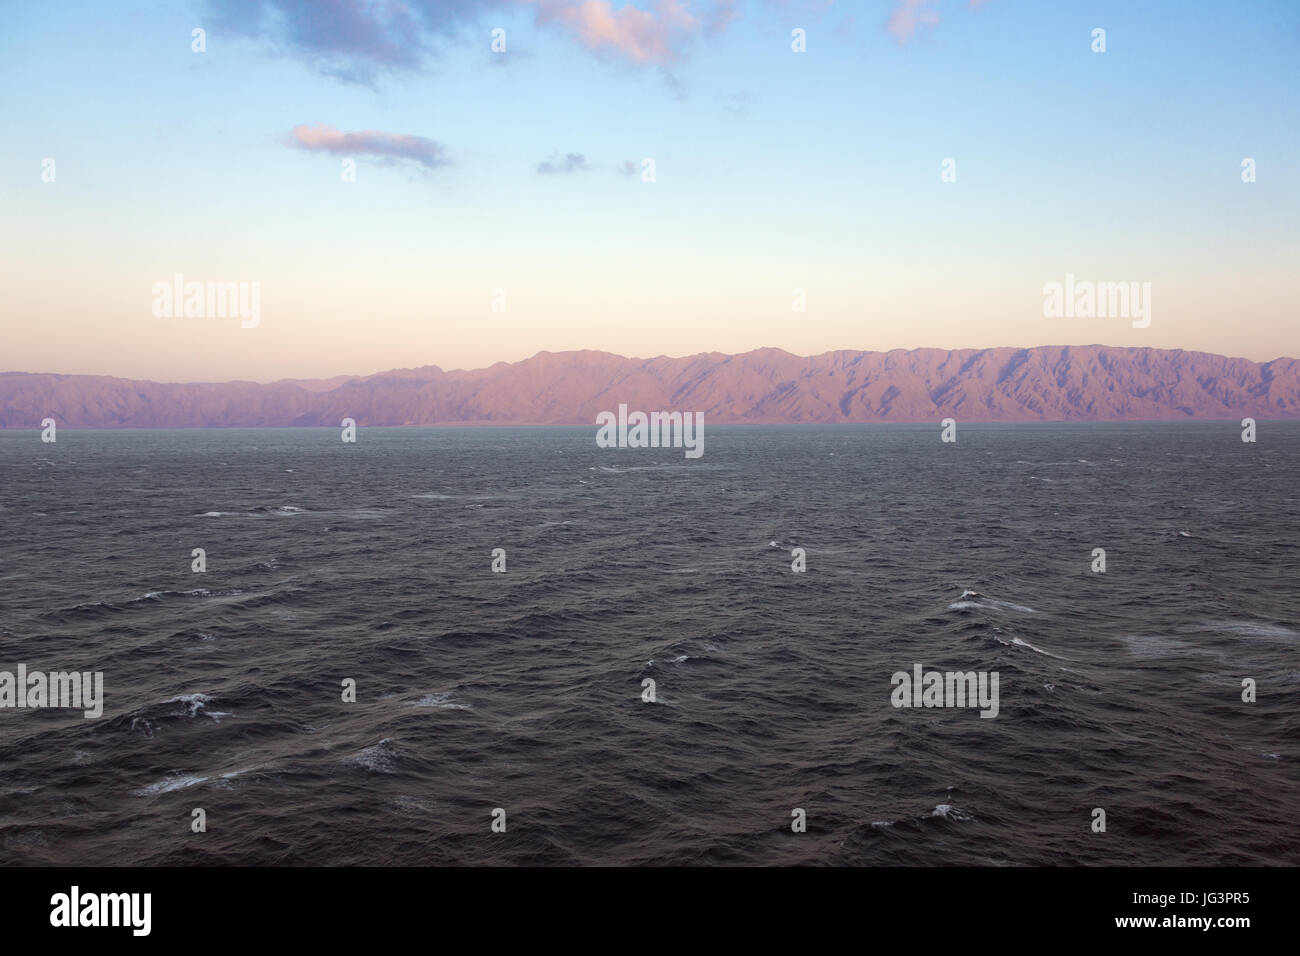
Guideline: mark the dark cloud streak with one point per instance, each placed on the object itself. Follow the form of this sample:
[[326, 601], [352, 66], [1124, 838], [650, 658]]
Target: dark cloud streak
[[572, 163]]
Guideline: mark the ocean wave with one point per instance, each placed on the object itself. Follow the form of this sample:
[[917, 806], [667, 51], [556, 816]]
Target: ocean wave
[[441, 701], [987, 603], [948, 812], [91, 610], [1249, 629], [944, 811], [168, 784], [185, 781], [146, 720], [1020, 642], [653, 466], [194, 592], [261, 511], [192, 705], [379, 758]]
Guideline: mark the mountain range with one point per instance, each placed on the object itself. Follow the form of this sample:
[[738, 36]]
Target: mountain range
[[1045, 383]]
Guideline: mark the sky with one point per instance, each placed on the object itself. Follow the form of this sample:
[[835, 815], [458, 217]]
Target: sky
[[498, 203]]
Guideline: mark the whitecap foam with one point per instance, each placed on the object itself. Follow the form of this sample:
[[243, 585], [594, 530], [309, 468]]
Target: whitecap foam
[[194, 592], [987, 603], [948, 812], [169, 784], [378, 758], [1019, 642], [441, 701], [196, 704]]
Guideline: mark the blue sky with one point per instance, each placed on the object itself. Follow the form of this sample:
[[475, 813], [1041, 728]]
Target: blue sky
[[775, 170]]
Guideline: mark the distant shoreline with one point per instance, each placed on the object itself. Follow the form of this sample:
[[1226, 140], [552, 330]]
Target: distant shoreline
[[763, 387]]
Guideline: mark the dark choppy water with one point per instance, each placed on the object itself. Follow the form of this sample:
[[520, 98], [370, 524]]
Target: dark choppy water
[[522, 690]]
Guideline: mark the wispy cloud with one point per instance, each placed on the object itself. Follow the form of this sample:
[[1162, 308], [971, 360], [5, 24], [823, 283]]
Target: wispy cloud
[[908, 15], [358, 40], [571, 163], [352, 40], [388, 146], [657, 36], [724, 13], [737, 104]]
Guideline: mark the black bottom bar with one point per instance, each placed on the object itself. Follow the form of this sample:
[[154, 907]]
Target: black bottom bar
[[654, 907]]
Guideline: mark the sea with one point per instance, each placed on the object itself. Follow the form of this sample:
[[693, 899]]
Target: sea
[[342, 677]]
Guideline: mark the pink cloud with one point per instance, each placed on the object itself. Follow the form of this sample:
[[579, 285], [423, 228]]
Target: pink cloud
[[656, 36], [389, 146], [909, 15], [724, 13]]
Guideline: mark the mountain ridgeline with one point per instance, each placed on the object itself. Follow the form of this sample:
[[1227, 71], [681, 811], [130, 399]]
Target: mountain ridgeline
[[765, 386]]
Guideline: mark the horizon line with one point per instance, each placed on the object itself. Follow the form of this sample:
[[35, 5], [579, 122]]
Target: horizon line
[[965, 423]]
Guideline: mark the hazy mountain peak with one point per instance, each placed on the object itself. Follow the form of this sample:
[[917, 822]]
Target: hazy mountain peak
[[767, 385]]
